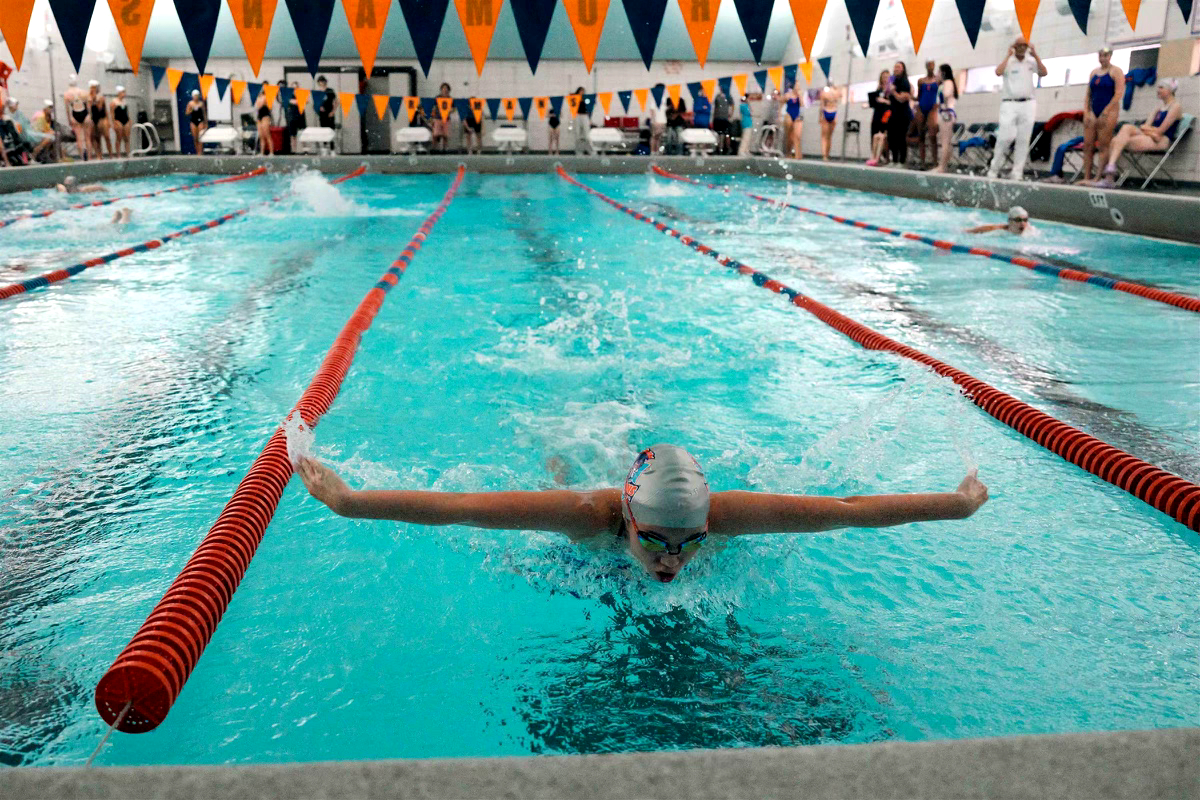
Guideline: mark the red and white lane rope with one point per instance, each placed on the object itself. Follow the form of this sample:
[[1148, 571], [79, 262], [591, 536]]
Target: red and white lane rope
[[14, 289], [1186, 302], [4, 223], [149, 673], [1170, 494]]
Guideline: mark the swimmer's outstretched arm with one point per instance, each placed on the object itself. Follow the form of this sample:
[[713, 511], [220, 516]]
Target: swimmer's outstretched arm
[[735, 513], [986, 228], [576, 514]]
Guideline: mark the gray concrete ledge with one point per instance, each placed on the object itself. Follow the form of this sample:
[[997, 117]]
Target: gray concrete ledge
[[1143, 765], [1167, 216]]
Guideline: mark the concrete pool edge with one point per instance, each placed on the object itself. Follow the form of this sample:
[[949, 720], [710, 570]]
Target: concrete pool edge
[[1166, 216], [1132, 764]]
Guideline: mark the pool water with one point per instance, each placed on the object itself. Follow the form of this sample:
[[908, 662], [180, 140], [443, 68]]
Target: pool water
[[541, 339]]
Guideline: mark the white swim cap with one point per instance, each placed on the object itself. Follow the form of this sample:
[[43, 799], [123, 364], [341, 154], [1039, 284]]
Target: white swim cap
[[119, 89], [93, 83], [1016, 212], [666, 489], [195, 92], [48, 103], [1170, 83]]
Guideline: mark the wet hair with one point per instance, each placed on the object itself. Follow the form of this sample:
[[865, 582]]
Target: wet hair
[[948, 75]]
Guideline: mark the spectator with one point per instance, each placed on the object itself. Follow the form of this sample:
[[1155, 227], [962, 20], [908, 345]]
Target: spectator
[[831, 98], [900, 97], [1101, 104], [552, 134], [722, 122], [881, 110], [582, 123], [473, 133], [745, 133], [122, 125], [793, 121], [441, 122], [197, 119], [296, 120], [658, 123], [1017, 106], [35, 141], [262, 111], [701, 111], [81, 121], [326, 116], [44, 122], [676, 121], [98, 107], [1155, 135], [947, 115], [925, 115]]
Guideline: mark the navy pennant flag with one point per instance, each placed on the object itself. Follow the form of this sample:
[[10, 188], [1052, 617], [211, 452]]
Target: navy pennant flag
[[222, 86], [1184, 5], [493, 104], [254, 89], [825, 62], [396, 105], [862, 17], [726, 85], [311, 20], [589, 104], [761, 77], [362, 101], [657, 91], [463, 106], [645, 19], [789, 75], [199, 21], [424, 19], [755, 16], [625, 97], [533, 23], [555, 105], [1079, 10], [694, 87], [525, 103], [73, 18], [157, 74], [428, 105], [971, 13]]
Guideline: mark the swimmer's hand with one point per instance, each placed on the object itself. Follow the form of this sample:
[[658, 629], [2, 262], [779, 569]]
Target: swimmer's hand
[[973, 492], [324, 484]]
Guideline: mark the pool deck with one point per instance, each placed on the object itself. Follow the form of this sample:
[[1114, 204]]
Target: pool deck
[[1139, 765], [1164, 215]]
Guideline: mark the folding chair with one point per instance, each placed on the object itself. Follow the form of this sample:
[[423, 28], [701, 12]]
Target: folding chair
[[1141, 163], [769, 133], [855, 127], [975, 149]]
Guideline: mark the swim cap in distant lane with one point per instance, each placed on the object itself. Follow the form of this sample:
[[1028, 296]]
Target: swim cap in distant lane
[[666, 489]]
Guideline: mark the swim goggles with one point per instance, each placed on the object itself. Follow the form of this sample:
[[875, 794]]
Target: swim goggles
[[654, 543]]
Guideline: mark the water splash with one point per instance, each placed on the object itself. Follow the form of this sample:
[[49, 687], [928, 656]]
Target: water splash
[[300, 438]]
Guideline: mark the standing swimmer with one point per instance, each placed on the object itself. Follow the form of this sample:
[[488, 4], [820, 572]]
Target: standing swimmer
[[198, 119], [663, 514]]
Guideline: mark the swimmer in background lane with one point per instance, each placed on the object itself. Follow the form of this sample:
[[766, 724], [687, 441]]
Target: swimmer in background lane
[[663, 514], [71, 186], [122, 216], [1018, 223]]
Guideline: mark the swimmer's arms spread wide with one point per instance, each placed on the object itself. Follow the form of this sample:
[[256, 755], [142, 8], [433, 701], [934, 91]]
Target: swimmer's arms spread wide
[[735, 513], [576, 514]]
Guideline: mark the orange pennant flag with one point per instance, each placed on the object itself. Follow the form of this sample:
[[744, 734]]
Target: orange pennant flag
[[776, 75], [252, 18], [132, 18], [710, 88], [411, 104], [477, 109], [573, 104], [206, 82], [605, 99], [174, 76], [301, 97], [700, 17], [540, 103], [14, 27], [270, 91], [673, 93], [643, 97], [367, 18], [806, 71], [347, 100], [917, 12], [740, 82], [1131, 11], [587, 20], [236, 90], [1026, 11], [381, 105], [478, 18], [444, 105], [807, 16], [510, 107]]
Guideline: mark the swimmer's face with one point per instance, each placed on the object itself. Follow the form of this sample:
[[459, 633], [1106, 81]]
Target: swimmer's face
[[1018, 225], [664, 566]]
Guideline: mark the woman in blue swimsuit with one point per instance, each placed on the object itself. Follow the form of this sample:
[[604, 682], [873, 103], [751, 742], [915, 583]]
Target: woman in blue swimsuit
[[925, 116], [1155, 135], [793, 122], [831, 98], [1106, 86]]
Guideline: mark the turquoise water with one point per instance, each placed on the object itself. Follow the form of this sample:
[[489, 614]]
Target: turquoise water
[[541, 338]]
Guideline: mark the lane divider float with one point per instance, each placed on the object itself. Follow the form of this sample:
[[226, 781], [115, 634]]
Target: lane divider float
[[152, 669], [1168, 493], [4, 223], [1177, 299], [45, 279]]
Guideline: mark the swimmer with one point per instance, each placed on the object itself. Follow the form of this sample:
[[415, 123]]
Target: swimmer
[[1018, 223], [71, 186], [663, 514], [122, 216]]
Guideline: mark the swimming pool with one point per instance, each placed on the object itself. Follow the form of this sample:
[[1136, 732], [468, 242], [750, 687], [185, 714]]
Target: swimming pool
[[540, 338]]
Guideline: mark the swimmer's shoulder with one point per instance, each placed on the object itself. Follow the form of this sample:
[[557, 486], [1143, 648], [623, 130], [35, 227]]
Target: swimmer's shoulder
[[599, 511]]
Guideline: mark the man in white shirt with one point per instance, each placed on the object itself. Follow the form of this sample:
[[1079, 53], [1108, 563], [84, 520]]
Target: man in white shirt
[[1017, 106]]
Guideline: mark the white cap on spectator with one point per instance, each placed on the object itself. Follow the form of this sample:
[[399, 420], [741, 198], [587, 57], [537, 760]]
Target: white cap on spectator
[[48, 103], [93, 83], [119, 89]]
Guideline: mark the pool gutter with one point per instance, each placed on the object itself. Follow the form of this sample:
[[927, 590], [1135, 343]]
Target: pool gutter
[[1166, 216], [1125, 764]]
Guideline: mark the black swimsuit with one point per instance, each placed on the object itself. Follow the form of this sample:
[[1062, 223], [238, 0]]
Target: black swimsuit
[[99, 112], [264, 112], [120, 114], [80, 115], [196, 116]]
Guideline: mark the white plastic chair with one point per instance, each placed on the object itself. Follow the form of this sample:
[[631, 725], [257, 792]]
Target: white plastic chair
[[320, 139], [606, 140], [413, 140], [510, 139], [223, 137], [698, 141]]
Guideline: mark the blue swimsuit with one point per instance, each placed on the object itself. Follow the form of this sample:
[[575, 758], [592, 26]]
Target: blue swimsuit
[[793, 108], [1171, 131], [1103, 87], [927, 96]]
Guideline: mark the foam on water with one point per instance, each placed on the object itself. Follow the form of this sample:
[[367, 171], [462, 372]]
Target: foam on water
[[313, 191]]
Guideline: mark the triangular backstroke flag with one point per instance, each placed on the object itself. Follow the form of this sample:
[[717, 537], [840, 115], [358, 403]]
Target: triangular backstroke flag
[[493, 104], [525, 103], [510, 107], [478, 18], [199, 21], [174, 76], [776, 74], [969, 11], [477, 109], [917, 12], [253, 19], [157, 74], [411, 104], [237, 89], [645, 20], [270, 92], [463, 106], [302, 96], [14, 27], [657, 91], [587, 20], [673, 92], [1185, 7], [589, 103], [73, 18], [1080, 8], [555, 105], [643, 98], [541, 103], [533, 22], [444, 104], [367, 19], [429, 106], [726, 85], [363, 102], [395, 105], [806, 70], [573, 104], [789, 75], [223, 87], [710, 88], [625, 96], [825, 63], [255, 89], [694, 87], [1026, 11], [760, 75], [740, 82], [1131, 12], [311, 20], [605, 99], [807, 16], [206, 82], [755, 16], [700, 17], [347, 100], [132, 18], [862, 18], [381, 106], [424, 19]]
